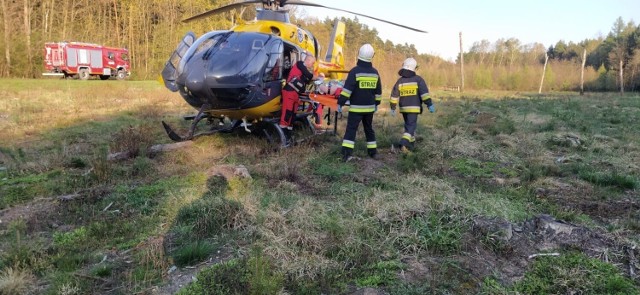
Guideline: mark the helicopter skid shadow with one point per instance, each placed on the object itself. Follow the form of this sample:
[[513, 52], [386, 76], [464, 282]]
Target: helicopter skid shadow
[[304, 131]]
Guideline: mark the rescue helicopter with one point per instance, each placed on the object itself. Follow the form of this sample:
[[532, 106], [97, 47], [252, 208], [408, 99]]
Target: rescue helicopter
[[234, 77]]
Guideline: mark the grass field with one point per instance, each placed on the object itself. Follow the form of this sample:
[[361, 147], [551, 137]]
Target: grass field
[[506, 193]]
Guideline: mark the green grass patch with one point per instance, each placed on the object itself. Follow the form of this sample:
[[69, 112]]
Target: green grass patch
[[333, 170], [284, 200], [209, 217], [228, 277], [194, 252], [502, 125], [474, 168], [70, 240], [382, 273], [574, 273], [102, 270], [612, 179], [70, 261], [253, 275], [25, 188], [499, 205], [412, 161], [433, 232], [145, 199]]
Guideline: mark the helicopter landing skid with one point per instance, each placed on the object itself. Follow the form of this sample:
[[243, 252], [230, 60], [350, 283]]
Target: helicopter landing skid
[[172, 134], [177, 138], [269, 129], [201, 115], [273, 133]]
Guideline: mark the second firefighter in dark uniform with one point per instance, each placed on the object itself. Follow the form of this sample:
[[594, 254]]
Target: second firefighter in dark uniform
[[409, 92], [364, 91]]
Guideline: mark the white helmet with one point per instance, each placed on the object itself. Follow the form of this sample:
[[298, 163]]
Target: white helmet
[[366, 52], [410, 64]]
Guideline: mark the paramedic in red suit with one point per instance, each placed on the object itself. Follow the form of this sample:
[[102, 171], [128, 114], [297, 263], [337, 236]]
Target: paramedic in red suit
[[296, 84]]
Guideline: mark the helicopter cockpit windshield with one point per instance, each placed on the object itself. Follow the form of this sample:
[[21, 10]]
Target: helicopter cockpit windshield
[[230, 64], [236, 58]]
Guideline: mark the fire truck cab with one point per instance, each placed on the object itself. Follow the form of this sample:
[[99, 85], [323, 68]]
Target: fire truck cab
[[83, 60]]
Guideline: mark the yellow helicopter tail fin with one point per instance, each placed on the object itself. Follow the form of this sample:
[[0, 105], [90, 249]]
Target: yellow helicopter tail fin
[[335, 55]]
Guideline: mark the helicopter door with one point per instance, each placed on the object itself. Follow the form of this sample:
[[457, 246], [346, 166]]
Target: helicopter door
[[290, 58], [273, 71], [170, 72]]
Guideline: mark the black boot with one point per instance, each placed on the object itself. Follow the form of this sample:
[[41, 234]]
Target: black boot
[[346, 155], [288, 137]]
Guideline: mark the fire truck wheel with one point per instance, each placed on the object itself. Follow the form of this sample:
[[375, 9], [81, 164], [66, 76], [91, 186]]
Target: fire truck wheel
[[83, 74], [121, 75]]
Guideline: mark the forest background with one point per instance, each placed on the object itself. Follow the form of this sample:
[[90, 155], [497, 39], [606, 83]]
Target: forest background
[[152, 29]]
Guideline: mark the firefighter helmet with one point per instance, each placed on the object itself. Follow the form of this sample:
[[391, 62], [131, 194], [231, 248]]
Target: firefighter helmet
[[366, 52], [409, 64]]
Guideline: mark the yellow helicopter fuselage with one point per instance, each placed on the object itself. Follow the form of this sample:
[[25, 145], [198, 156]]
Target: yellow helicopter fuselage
[[287, 31]]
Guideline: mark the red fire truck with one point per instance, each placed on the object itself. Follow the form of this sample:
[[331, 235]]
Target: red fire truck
[[83, 60]]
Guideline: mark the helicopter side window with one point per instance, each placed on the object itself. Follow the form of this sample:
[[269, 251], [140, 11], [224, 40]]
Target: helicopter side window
[[290, 58], [205, 45], [287, 62], [273, 71], [257, 44]]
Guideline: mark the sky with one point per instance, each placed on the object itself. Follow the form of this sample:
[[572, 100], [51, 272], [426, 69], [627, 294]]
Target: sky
[[530, 21]]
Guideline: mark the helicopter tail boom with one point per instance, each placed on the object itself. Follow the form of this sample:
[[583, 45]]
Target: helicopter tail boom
[[334, 54]]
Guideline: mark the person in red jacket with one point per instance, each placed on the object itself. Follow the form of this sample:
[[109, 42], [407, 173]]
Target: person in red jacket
[[296, 84]]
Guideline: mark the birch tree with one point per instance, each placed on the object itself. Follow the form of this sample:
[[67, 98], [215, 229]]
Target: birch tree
[[619, 42], [6, 21]]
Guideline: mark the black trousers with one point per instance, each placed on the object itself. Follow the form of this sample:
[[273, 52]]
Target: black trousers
[[410, 125], [353, 121]]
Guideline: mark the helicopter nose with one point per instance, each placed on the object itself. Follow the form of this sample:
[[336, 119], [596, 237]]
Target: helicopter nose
[[195, 81]]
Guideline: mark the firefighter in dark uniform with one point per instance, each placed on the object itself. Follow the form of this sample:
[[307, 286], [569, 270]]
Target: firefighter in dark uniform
[[363, 89], [409, 92], [296, 84]]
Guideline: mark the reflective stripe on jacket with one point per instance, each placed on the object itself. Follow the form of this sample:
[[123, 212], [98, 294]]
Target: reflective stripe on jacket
[[362, 88], [409, 92]]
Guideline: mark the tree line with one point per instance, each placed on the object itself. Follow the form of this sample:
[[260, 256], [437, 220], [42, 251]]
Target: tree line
[[151, 29], [612, 62]]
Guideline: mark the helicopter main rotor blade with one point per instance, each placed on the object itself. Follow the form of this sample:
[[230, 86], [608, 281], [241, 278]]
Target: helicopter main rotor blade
[[305, 3], [221, 10]]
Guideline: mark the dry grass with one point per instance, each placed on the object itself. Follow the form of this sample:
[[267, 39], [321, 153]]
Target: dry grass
[[293, 238], [15, 281], [32, 111], [315, 218]]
